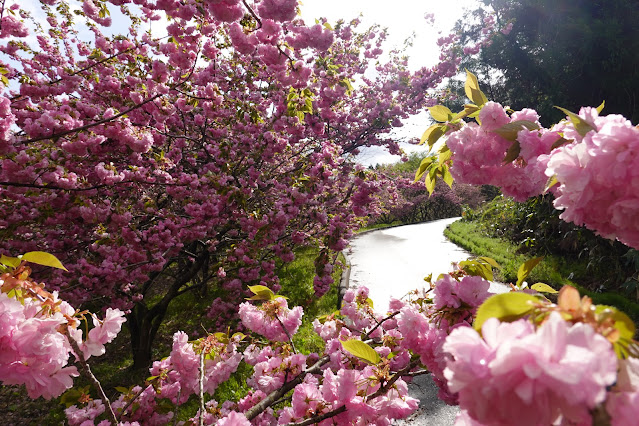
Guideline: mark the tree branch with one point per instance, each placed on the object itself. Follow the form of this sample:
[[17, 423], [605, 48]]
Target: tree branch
[[86, 370], [257, 409]]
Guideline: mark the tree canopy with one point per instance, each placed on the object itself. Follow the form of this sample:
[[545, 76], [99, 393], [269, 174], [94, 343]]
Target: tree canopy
[[566, 53]]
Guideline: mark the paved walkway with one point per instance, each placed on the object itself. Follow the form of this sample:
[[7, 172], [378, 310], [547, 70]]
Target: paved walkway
[[393, 261]]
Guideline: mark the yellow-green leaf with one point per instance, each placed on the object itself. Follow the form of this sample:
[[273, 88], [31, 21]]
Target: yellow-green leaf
[[361, 350], [601, 107], [543, 288], [509, 131], [446, 176], [512, 153], [524, 270], [434, 136], [581, 126], [430, 180], [471, 83], [14, 262], [440, 113], [427, 133], [552, 181], [473, 91], [492, 262], [239, 335], [560, 142], [624, 325], [43, 258], [477, 268], [423, 167], [445, 154], [261, 293], [471, 108], [506, 307], [70, 397]]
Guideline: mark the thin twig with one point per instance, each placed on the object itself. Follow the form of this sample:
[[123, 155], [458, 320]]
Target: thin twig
[[86, 370], [258, 408], [201, 395], [177, 407], [317, 419], [290, 338], [257, 18], [128, 404], [368, 334], [381, 391]]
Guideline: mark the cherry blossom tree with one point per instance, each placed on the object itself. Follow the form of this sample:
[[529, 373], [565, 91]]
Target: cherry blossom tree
[[154, 166]]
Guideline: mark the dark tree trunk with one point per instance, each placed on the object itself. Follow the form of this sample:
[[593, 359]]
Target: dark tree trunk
[[144, 322]]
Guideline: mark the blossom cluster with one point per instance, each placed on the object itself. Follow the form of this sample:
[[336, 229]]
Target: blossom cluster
[[35, 328], [587, 154], [590, 170], [479, 152], [536, 376], [273, 319]]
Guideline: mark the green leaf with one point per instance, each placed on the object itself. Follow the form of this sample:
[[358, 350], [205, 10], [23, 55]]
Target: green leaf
[[44, 259], [70, 397], [543, 288], [512, 153], [506, 307], [14, 262], [509, 131], [552, 181], [477, 268], [423, 166], [427, 133], [624, 326], [601, 107], [490, 261], [524, 270], [472, 89], [431, 179], [560, 142], [581, 126], [361, 350], [445, 154], [446, 176], [122, 389], [369, 301], [261, 293], [440, 113]]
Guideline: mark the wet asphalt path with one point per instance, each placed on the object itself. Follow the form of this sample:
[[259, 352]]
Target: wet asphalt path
[[394, 261]]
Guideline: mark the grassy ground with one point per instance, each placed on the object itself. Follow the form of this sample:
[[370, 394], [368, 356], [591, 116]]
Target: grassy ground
[[186, 313], [554, 271]]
